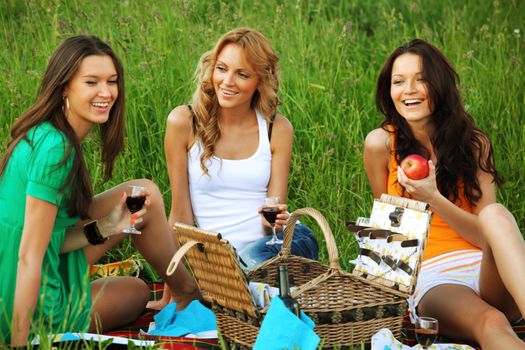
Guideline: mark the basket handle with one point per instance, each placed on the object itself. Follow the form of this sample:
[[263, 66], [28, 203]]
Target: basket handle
[[333, 254], [177, 257]]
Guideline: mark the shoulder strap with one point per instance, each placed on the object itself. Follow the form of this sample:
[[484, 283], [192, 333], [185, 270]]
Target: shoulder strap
[[270, 127]]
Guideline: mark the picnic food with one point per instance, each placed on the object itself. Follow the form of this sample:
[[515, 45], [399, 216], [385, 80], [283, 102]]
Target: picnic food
[[415, 167]]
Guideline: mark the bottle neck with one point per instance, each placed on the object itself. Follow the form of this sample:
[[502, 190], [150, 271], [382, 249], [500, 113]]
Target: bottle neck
[[284, 285]]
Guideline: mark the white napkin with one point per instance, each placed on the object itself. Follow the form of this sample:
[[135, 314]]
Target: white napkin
[[262, 293], [385, 340]]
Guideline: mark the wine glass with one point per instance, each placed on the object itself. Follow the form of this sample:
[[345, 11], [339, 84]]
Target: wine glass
[[135, 202], [426, 331], [270, 211]]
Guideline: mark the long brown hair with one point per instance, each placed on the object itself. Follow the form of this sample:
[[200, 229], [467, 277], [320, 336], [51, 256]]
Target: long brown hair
[[264, 60], [62, 66], [461, 148]]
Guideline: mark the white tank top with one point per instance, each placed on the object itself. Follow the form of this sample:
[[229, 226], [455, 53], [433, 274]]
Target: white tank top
[[227, 200]]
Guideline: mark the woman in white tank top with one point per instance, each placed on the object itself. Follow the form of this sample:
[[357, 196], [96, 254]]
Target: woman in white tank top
[[230, 150]]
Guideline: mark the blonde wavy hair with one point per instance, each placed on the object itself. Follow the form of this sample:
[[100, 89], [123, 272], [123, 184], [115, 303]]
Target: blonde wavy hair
[[264, 60]]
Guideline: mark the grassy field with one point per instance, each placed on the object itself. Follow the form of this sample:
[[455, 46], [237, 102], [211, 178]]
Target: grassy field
[[331, 52]]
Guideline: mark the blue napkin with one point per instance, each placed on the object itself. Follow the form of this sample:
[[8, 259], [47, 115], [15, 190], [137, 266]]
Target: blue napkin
[[66, 337], [193, 319], [281, 329]]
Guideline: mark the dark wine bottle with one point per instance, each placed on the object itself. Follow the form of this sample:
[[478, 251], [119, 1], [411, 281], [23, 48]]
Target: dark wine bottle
[[284, 292]]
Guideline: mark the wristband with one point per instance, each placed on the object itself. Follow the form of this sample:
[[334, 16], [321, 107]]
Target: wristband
[[93, 234]]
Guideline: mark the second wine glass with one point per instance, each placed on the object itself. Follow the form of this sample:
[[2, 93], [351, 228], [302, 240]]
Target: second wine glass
[[426, 331], [135, 202], [270, 211]]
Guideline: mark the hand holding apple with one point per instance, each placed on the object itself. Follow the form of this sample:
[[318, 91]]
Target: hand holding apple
[[415, 167], [424, 189]]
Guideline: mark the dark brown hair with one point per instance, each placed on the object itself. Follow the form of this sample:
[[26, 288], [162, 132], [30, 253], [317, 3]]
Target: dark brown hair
[[62, 66], [461, 148]]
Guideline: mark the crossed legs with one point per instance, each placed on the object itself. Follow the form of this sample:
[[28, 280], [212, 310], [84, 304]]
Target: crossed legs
[[119, 300]]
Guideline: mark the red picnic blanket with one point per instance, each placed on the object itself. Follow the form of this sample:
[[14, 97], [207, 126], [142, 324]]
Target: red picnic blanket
[[133, 329]]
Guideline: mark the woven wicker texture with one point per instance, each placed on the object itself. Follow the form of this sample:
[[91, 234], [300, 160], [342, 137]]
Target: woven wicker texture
[[346, 309], [236, 331], [215, 267]]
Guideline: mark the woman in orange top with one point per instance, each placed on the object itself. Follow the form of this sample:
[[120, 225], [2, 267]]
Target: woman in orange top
[[471, 278]]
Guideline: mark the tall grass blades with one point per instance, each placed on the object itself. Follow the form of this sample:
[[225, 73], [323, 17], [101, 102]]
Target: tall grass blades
[[331, 52]]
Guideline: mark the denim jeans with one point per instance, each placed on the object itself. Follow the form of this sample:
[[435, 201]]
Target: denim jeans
[[304, 244]]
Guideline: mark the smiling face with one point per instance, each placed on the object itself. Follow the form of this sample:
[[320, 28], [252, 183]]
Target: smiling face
[[234, 78], [91, 93], [408, 88]]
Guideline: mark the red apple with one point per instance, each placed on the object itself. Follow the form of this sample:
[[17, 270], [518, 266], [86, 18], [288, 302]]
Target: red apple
[[415, 167]]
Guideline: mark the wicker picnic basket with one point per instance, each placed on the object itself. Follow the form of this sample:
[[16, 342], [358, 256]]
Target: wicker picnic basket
[[347, 308]]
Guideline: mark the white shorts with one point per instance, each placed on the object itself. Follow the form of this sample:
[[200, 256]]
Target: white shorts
[[459, 267]]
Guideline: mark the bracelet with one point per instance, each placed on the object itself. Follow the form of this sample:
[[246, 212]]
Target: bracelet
[[93, 234]]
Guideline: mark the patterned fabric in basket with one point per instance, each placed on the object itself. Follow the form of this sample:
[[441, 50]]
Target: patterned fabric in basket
[[346, 308]]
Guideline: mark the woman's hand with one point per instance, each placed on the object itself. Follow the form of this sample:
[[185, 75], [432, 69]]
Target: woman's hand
[[120, 217], [282, 217], [423, 190]]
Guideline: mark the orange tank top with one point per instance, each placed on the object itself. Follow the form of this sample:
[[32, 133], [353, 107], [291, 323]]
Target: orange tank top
[[442, 239]]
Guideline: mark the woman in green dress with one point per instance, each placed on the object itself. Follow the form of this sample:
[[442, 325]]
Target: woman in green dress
[[51, 224]]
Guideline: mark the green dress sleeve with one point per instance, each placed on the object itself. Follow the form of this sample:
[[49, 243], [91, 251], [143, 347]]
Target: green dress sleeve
[[48, 171]]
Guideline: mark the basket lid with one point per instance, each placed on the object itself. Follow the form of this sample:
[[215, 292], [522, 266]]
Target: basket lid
[[216, 269], [392, 241]]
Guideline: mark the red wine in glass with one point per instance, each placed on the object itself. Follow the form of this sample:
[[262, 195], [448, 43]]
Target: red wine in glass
[[426, 331], [270, 214], [134, 204], [426, 337]]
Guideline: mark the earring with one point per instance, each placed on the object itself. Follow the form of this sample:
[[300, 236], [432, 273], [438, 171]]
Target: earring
[[65, 105]]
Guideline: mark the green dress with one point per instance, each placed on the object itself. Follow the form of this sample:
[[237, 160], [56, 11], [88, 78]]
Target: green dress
[[64, 302]]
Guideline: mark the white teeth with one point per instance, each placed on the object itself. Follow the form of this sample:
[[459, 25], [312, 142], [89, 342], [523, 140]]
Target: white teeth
[[228, 92], [412, 101], [100, 104]]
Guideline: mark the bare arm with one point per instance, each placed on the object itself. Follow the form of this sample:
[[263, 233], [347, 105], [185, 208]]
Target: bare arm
[[114, 223], [38, 226], [177, 141], [176, 145], [376, 156], [76, 238], [281, 147], [461, 221]]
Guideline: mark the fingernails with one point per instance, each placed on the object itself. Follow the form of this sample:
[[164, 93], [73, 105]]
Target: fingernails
[[134, 216]]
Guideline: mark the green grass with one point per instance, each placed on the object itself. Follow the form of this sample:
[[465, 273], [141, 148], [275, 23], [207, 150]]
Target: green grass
[[331, 52]]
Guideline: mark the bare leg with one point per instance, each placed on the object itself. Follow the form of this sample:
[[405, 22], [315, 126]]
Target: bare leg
[[485, 319], [165, 300], [117, 301], [156, 244], [463, 315], [502, 274]]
